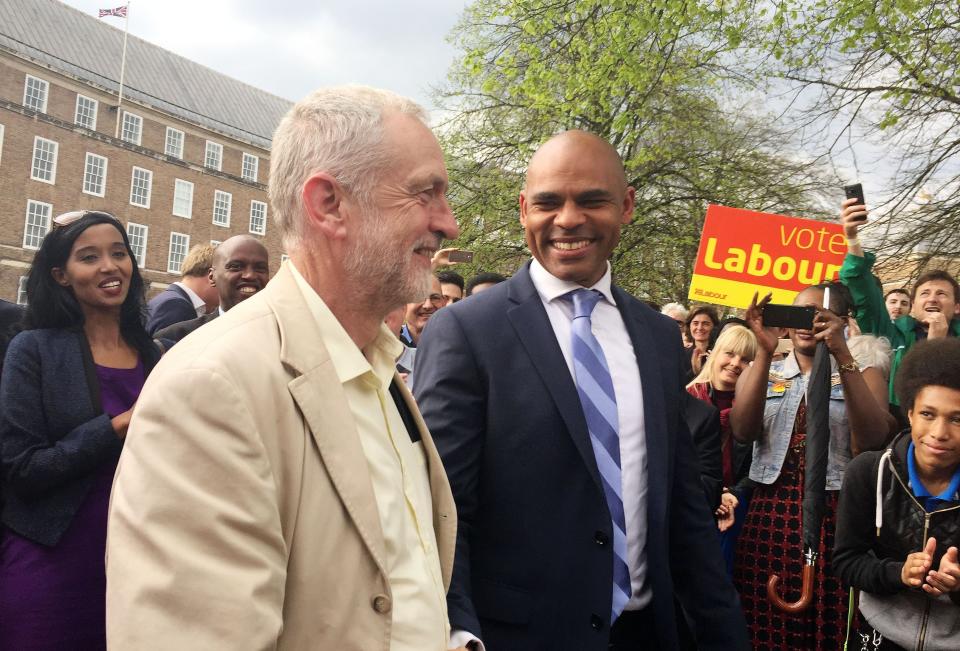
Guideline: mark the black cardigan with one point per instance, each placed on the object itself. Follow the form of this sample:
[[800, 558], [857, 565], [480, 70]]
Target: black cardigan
[[53, 431]]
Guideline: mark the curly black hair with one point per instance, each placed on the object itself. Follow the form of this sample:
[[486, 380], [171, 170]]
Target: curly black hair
[[932, 362]]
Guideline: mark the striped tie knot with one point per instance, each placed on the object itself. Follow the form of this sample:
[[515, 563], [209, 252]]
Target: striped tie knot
[[584, 300]]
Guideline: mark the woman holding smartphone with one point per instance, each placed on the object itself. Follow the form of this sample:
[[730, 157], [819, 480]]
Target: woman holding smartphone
[[770, 412], [70, 380]]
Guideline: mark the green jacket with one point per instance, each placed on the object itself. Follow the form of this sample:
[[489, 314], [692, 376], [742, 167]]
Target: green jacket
[[871, 312]]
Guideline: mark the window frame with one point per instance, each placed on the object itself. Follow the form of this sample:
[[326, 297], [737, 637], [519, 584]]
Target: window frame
[[46, 93], [166, 142], [186, 249], [26, 223], [22, 290], [133, 178], [263, 217], [213, 146], [243, 167], [103, 180], [123, 129], [216, 195], [76, 112], [33, 158], [173, 208], [142, 264]]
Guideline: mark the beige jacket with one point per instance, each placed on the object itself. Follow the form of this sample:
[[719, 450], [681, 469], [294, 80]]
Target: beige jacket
[[242, 514]]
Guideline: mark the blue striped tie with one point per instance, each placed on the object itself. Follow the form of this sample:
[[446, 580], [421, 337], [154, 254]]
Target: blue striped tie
[[599, 402]]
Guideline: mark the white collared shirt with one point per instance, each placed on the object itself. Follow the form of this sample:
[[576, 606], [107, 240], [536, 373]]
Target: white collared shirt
[[198, 303], [611, 332], [400, 477]]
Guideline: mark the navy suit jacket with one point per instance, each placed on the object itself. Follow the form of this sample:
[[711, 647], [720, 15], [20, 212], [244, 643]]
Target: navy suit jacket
[[170, 306], [533, 567]]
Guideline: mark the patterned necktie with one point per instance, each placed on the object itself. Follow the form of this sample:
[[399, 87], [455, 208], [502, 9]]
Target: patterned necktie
[[599, 403]]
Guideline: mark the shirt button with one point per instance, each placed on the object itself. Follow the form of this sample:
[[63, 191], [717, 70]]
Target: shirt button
[[381, 603], [596, 622], [600, 538]]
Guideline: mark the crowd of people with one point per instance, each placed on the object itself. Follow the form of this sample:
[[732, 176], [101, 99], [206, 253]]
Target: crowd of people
[[368, 452]]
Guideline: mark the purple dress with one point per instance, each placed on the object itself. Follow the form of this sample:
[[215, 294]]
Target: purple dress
[[52, 598]]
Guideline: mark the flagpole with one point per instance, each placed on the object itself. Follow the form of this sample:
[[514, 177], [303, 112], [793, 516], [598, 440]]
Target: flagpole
[[123, 66]]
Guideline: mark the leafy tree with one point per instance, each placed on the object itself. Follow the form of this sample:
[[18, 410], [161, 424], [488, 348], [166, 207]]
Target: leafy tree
[[885, 72], [659, 80]]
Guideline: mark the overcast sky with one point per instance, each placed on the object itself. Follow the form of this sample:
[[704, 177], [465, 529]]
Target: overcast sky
[[290, 47]]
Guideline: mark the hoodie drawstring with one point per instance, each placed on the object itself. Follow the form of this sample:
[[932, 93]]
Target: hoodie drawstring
[[884, 459]]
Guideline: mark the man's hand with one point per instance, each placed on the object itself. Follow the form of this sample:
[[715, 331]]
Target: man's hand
[[766, 337], [947, 578], [725, 512], [917, 565], [938, 325], [853, 215], [121, 422]]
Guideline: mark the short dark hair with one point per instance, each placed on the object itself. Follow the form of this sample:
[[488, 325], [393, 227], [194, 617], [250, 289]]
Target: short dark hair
[[936, 274], [931, 362], [703, 309], [451, 278], [50, 305], [899, 290], [483, 278]]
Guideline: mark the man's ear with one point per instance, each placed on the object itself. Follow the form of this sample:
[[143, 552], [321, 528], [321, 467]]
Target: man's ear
[[213, 281], [323, 204], [523, 210], [59, 277]]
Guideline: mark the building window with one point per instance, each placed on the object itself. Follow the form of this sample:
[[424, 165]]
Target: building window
[[137, 234], [258, 217], [140, 185], [221, 207], [95, 175], [251, 164], [35, 94], [182, 198], [86, 112], [22, 291], [132, 129], [37, 224], [213, 157], [44, 166], [179, 245], [216, 243], [173, 143]]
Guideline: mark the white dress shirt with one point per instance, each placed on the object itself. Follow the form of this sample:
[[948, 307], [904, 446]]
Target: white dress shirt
[[199, 306], [610, 331]]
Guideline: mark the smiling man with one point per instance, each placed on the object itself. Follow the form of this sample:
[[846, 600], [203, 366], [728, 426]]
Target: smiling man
[[554, 399], [278, 489], [935, 310], [241, 268]]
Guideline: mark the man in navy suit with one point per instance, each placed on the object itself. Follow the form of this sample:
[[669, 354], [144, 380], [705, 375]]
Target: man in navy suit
[[571, 534], [194, 295]]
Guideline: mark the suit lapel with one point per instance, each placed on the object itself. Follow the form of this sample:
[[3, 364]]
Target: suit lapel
[[655, 426], [319, 394], [532, 325]]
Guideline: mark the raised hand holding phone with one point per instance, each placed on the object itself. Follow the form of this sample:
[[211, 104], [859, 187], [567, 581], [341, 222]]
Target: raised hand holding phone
[[853, 215]]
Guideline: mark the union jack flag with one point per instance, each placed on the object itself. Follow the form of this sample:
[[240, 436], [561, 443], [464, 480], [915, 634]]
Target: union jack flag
[[119, 11]]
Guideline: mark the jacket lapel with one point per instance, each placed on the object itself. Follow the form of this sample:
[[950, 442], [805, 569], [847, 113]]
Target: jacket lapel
[[532, 325], [656, 429], [319, 394]]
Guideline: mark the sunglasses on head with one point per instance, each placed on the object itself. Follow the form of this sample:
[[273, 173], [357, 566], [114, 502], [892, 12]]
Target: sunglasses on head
[[67, 218]]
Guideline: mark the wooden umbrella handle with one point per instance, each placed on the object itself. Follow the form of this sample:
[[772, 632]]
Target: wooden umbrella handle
[[806, 593]]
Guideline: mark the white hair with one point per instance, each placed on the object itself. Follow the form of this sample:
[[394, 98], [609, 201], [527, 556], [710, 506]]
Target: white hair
[[675, 309], [337, 130]]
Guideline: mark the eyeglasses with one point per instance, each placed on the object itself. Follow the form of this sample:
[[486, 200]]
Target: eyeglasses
[[67, 218], [437, 300]]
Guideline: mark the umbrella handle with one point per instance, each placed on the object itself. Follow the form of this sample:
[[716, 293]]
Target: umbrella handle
[[806, 593]]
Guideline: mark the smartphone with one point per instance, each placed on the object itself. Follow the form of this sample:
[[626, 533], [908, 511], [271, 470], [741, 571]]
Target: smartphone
[[798, 317], [855, 191], [461, 256]]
